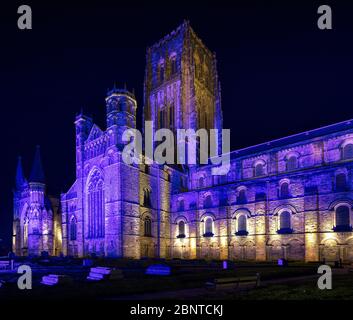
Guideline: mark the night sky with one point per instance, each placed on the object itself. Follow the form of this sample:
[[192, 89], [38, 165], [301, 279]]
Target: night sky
[[280, 74]]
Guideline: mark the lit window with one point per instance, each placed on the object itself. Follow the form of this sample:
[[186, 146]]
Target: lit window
[[148, 227], [73, 229], [25, 233], [173, 65], [147, 198], [292, 163], [242, 226], [207, 202], [284, 191], [96, 214], [208, 227], [181, 205], [347, 152], [161, 72], [342, 219], [201, 182], [181, 229], [259, 170], [241, 198], [285, 223]]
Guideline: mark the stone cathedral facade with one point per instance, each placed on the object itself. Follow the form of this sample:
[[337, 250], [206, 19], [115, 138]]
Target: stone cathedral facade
[[289, 198]]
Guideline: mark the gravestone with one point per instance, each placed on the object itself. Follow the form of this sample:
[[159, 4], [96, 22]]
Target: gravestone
[[158, 270], [55, 279], [104, 273]]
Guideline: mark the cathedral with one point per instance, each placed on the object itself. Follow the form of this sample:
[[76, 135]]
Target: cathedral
[[288, 198]]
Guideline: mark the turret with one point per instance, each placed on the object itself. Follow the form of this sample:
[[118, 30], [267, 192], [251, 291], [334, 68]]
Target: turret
[[121, 112], [83, 126], [34, 218]]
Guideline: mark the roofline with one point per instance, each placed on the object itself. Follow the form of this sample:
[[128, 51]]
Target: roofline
[[309, 134]]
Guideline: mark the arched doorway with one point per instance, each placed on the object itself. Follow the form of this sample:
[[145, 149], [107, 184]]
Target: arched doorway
[[276, 251], [295, 250], [330, 251]]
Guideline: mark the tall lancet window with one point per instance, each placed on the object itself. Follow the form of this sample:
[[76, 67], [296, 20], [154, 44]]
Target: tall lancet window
[[73, 229], [25, 233], [96, 216], [171, 116]]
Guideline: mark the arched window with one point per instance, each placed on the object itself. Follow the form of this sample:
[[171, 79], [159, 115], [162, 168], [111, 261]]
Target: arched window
[[284, 190], [292, 163], [162, 118], [208, 227], [242, 225], [73, 229], [241, 198], [207, 202], [96, 214], [259, 170], [201, 182], [148, 227], [173, 65], [342, 219], [182, 183], [147, 197], [285, 222], [181, 229], [171, 116], [341, 182], [161, 72], [181, 205], [347, 152]]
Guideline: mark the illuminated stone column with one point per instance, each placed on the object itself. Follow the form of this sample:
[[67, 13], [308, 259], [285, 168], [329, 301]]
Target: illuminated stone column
[[223, 238], [311, 227], [260, 237], [193, 234]]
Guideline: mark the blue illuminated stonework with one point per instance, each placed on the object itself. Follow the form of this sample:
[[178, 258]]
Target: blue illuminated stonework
[[289, 199]]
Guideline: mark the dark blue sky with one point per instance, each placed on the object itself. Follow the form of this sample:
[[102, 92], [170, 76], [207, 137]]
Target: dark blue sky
[[280, 74]]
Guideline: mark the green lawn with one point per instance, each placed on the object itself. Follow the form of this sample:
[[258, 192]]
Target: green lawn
[[342, 289]]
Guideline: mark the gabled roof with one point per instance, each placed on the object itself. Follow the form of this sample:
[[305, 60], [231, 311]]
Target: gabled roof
[[95, 133]]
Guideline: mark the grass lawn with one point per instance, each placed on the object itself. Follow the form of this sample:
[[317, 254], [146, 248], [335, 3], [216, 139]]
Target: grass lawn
[[342, 289]]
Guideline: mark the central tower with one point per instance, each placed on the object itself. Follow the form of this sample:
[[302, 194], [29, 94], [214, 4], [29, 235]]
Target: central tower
[[181, 89]]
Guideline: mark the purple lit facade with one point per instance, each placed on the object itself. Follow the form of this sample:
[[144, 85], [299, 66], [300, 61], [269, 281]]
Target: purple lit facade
[[290, 198]]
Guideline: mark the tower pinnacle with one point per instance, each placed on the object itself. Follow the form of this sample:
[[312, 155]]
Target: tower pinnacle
[[37, 173], [20, 178]]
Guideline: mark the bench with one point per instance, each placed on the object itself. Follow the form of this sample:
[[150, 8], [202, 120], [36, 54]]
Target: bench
[[234, 282]]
